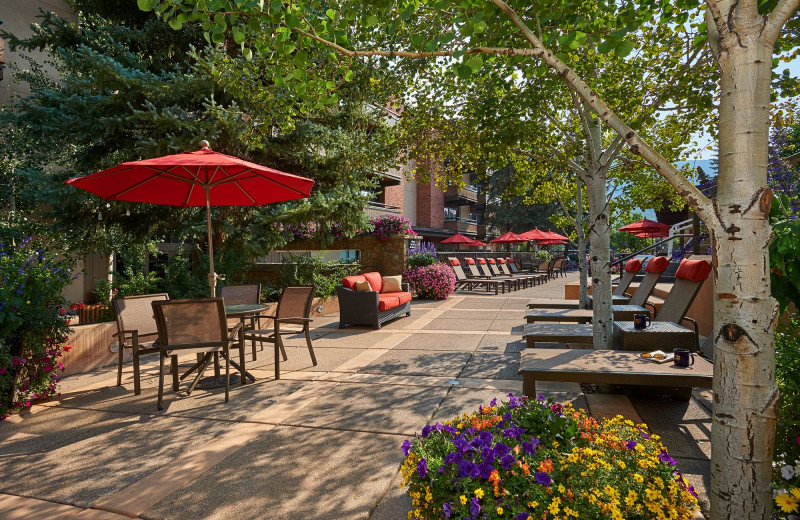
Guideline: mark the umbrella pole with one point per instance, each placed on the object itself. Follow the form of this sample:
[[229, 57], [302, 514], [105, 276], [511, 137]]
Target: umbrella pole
[[212, 277]]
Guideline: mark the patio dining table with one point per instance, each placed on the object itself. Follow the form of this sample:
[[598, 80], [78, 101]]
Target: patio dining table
[[237, 311]]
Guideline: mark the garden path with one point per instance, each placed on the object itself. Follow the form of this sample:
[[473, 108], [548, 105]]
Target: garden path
[[323, 442]]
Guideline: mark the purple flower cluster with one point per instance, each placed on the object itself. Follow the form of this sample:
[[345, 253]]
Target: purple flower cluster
[[431, 282]]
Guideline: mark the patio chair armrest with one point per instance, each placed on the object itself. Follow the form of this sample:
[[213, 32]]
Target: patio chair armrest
[[259, 317], [233, 334], [696, 329], [653, 305], [406, 287], [293, 320]]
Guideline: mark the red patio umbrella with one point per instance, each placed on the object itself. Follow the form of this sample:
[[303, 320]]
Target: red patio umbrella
[[533, 234], [458, 238], [646, 226], [200, 178], [508, 238], [550, 235]]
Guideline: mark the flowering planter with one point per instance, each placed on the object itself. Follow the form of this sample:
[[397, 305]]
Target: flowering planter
[[534, 458], [431, 282]]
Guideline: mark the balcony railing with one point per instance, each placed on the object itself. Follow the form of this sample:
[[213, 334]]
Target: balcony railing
[[378, 209], [461, 225], [465, 195]]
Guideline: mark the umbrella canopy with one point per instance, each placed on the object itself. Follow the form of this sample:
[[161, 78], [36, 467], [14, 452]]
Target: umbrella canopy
[[200, 178], [508, 238], [653, 234], [458, 238], [646, 226], [477, 243], [551, 242], [533, 234], [550, 235]]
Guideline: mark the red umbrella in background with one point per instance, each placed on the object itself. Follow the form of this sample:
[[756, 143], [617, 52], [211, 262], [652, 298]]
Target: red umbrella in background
[[459, 239], [550, 235], [508, 238], [653, 234], [200, 178], [646, 226], [533, 234]]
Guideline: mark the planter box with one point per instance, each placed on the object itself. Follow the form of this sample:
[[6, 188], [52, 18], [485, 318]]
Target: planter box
[[93, 313]]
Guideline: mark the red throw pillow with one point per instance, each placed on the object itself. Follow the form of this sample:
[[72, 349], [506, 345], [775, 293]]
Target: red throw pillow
[[481, 260], [634, 265], [501, 261], [470, 261], [349, 282], [491, 261], [693, 270], [510, 260], [658, 264], [454, 261], [375, 281]]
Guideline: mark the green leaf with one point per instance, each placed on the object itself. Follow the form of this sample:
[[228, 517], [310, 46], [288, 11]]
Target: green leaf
[[301, 58], [624, 48], [218, 37], [479, 27], [330, 13], [292, 20], [372, 20], [348, 76], [463, 71], [247, 52], [146, 5], [475, 62], [238, 34], [175, 24]]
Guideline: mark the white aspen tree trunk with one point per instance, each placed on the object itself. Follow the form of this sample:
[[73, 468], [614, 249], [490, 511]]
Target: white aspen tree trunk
[[583, 268], [745, 392]]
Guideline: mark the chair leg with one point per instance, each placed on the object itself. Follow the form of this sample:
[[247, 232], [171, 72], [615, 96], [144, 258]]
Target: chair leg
[[160, 379], [252, 348], [283, 350], [277, 359], [137, 385], [119, 364], [310, 349], [174, 370], [242, 371], [206, 360], [228, 371]]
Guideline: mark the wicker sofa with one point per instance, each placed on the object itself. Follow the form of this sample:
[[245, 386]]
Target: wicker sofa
[[370, 307]]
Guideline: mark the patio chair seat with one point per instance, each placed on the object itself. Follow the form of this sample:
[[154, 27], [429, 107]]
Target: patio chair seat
[[388, 301]]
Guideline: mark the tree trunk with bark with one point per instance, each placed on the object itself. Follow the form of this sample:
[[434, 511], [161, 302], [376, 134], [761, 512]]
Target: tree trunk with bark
[[583, 268]]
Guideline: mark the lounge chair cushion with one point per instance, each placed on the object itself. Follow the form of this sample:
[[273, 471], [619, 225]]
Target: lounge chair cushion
[[501, 261], [510, 260], [634, 265], [375, 281], [491, 261], [363, 286], [388, 301], [693, 270], [658, 264], [404, 297], [470, 261], [454, 261], [349, 282], [482, 261], [392, 284]]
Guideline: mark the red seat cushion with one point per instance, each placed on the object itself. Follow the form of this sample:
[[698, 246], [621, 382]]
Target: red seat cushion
[[388, 301], [482, 261], [470, 261], [404, 297], [454, 261], [510, 260], [693, 270], [491, 261], [634, 265], [349, 282], [375, 281], [501, 261], [658, 264]]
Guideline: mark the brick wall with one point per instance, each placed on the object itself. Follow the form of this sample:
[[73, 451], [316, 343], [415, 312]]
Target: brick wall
[[430, 206], [393, 195]]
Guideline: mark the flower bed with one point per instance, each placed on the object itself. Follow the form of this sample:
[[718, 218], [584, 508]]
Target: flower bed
[[534, 459], [431, 282]]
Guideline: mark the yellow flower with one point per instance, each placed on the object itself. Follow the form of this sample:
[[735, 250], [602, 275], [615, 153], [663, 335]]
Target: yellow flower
[[463, 499], [561, 488], [638, 478], [787, 502], [499, 510], [533, 504], [479, 493]]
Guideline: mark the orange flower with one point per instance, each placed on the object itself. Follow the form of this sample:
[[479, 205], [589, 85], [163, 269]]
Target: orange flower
[[546, 466]]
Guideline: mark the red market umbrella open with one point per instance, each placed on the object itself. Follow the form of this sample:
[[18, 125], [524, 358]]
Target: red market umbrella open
[[508, 238], [458, 238], [646, 226], [533, 234], [200, 178]]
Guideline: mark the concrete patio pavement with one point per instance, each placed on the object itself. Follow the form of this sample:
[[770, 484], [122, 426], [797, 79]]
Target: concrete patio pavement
[[322, 442]]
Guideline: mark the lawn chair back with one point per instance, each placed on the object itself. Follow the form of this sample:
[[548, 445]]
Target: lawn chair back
[[136, 312], [485, 268], [655, 268], [191, 325], [512, 266], [493, 267], [688, 279], [457, 269], [558, 266], [295, 302], [632, 267], [504, 267], [473, 268], [543, 266], [241, 294]]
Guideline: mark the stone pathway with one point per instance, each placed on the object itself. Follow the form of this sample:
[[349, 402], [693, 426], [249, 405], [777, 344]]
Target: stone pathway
[[322, 442]]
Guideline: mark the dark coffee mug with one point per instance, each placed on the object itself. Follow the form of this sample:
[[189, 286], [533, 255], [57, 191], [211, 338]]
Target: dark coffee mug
[[682, 357], [641, 321]]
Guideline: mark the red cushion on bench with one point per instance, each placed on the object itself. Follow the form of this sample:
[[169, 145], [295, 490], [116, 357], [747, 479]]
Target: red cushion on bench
[[454, 261], [510, 260], [693, 270], [482, 261], [491, 261], [375, 281], [404, 297], [501, 261], [634, 265], [658, 264], [470, 261], [349, 282], [388, 301]]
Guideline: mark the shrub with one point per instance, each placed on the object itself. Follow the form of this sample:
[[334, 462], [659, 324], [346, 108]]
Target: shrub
[[32, 328], [421, 255], [786, 462], [532, 458], [431, 282], [307, 270], [543, 254], [387, 226]]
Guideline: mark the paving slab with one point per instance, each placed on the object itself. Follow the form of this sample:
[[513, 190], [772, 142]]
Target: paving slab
[[466, 400], [395, 504], [684, 428], [468, 314], [85, 471], [481, 302], [421, 363], [364, 407], [292, 473], [512, 326], [501, 343], [342, 340], [698, 473], [493, 365], [459, 342], [459, 324], [300, 359], [23, 508]]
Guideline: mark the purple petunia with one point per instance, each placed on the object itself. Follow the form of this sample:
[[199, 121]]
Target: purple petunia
[[485, 469], [543, 478], [513, 432], [630, 444], [664, 458], [644, 433], [447, 510], [406, 447], [422, 468], [464, 468], [501, 449], [530, 446], [507, 461], [474, 507], [493, 402], [426, 430], [522, 516]]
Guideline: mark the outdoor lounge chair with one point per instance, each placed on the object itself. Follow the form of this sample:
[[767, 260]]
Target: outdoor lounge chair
[[294, 308], [656, 267], [487, 273], [526, 278], [469, 283], [193, 327], [494, 268], [536, 277], [135, 321], [621, 312], [619, 295], [665, 328], [242, 294]]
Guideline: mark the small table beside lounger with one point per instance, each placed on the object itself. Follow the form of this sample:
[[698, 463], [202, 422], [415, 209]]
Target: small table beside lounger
[[609, 367]]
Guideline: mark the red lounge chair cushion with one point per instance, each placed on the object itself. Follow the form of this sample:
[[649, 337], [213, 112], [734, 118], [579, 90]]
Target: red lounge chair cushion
[[388, 301], [491, 261], [349, 282], [482, 261], [510, 260], [454, 261], [501, 261], [375, 281], [404, 297], [470, 261], [658, 264], [693, 270], [634, 265]]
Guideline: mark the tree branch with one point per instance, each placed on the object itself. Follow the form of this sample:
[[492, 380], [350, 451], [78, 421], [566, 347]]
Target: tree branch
[[699, 202], [720, 24], [778, 18]]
